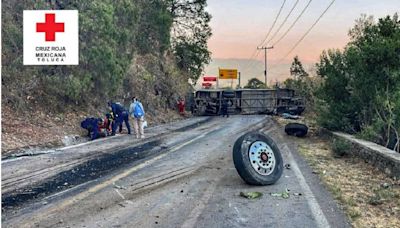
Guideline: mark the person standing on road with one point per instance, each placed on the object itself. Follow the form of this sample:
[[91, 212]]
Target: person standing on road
[[224, 108], [120, 115], [181, 106], [137, 112]]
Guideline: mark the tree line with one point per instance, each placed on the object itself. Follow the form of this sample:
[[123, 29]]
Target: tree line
[[357, 89], [153, 49]]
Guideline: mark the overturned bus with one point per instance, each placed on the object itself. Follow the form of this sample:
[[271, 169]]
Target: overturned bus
[[247, 101]]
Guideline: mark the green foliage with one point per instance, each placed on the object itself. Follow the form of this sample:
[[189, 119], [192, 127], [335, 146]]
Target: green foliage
[[154, 25], [362, 84], [115, 40], [255, 83], [304, 85], [340, 147], [190, 33]]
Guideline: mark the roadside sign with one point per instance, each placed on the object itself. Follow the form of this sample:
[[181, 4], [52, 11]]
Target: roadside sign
[[228, 73], [210, 78], [206, 84]]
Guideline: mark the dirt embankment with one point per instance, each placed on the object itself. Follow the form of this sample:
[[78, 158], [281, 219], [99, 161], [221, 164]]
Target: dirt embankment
[[39, 129]]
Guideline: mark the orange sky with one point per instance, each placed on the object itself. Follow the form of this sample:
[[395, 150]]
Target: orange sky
[[240, 25]]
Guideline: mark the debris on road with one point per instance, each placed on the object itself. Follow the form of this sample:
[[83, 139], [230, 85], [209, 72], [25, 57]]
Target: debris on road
[[287, 166], [285, 194], [290, 116], [119, 187], [251, 195]]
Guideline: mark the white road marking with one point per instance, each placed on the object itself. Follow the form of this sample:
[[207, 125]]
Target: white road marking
[[316, 211], [122, 196]]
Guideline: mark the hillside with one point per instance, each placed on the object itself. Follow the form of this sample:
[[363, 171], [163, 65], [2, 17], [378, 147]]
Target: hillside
[[133, 48]]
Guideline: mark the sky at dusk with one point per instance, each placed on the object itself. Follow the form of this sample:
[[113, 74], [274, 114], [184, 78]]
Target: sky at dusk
[[238, 26]]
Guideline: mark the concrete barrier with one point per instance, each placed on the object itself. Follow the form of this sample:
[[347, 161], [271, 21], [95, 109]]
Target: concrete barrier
[[385, 159]]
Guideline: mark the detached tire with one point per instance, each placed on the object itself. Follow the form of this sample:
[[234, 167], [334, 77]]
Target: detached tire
[[296, 129], [257, 159]]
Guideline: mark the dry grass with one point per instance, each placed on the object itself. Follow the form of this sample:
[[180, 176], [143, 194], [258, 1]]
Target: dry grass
[[23, 130], [368, 196]]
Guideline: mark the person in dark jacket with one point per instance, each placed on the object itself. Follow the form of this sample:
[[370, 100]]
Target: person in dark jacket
[[120, 115], [224, 108], [92, 126]]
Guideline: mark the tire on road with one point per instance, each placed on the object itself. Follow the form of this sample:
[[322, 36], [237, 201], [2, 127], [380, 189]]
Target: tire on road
[[296, 129], [269, 170]]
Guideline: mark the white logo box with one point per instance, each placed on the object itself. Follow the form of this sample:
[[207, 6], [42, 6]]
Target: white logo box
[[64, 50]]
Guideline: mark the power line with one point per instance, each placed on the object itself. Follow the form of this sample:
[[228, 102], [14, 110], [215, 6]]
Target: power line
[[257, 51], [293, 24], [273, 24], [284, 21], [309, 30]]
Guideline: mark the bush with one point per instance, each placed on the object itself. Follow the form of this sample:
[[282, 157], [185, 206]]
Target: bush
[[340, 147]]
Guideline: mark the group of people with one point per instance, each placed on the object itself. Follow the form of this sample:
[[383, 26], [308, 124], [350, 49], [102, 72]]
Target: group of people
[[102, 127]]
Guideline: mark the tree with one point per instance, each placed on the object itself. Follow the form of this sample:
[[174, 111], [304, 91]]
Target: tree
[[361, 85], [255, 83], [296, 70], [190, 32], [120, 46], [301, 82]]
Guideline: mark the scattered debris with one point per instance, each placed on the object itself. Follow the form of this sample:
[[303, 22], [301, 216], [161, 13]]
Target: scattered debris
[[287, 166], [121, 204], [119, 187], [182, 191], [290, 116], [385, 185], [297, 194], [251, 195], [285, 194]]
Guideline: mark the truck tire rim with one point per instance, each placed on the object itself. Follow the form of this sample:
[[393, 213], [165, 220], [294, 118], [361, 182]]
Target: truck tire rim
[[262, 158]]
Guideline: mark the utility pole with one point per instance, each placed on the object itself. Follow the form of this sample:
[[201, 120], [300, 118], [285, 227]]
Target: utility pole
[[265, 65], [239, 79]]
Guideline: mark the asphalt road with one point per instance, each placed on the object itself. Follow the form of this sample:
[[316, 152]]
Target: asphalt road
[[182, 175]]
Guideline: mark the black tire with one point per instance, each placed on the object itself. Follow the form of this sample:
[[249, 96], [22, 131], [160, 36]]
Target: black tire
[[296, 129], [242, 163]]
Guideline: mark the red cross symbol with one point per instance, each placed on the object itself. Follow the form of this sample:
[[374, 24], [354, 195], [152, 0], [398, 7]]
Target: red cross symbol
[[50, 27]]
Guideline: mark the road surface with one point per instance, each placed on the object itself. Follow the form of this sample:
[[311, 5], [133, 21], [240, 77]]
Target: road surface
[[181, 175]]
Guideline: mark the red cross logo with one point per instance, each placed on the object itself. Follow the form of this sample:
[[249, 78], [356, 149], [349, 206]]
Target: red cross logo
[[50, 27]]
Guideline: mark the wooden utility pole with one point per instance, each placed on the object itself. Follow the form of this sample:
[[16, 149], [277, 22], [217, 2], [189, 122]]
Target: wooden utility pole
[[265, 57]]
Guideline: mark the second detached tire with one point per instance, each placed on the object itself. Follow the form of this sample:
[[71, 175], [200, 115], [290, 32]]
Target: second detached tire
[[257, 159], [296, 129]]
